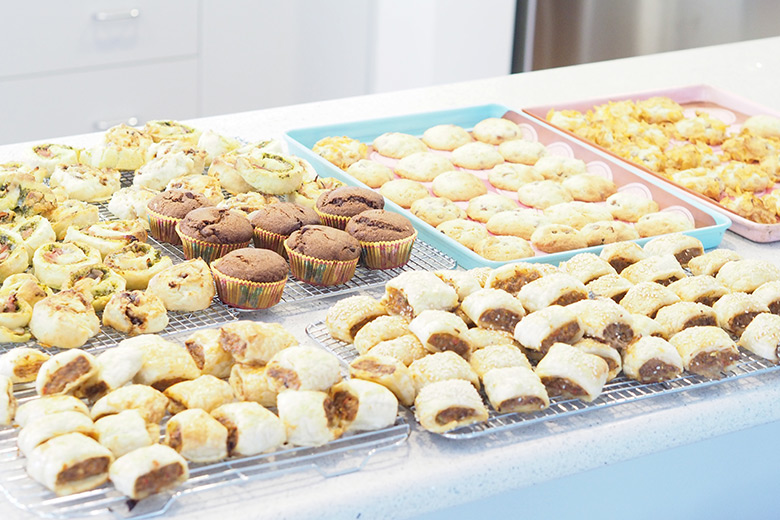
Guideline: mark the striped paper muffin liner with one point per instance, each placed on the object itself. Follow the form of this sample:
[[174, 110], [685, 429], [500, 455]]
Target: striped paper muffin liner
[[334, 221], [320, 272], [246, 294], [194, 248], [388, 254], [267, 240], [162, 227]]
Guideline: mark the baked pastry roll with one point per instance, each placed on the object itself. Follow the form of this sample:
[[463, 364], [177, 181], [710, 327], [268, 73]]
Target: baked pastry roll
[[769, 294], [412, 292], [135, 312], [252, 429], [160, 130], [611, 286], [735, 311], [49, 156], [64, 372], [513, 276], [480, 338], [54, 261], [150, 403], [440, 331], [646, 326], [380, 329], [164, 363], [203, 345], [681, 315], [366, 406], [683, 247], [493, 309], [108, 237], [710, 263], [13, 254], [148, 470], [48, 405], [622, 254], [197, 436], [747, 275], [406, 349], [41, 429], [69, 464], [515, 389], [249, 383], [302, 368], [35, 231], [606, 352], [663, 269], [605, 321], [66, 319], [204, 184], [441, 366], [21, 364], [541, 329], [205, 392], [388, 372], [124, 148], [651, 359], [699, 288], [553, 289], [647, 298], [188, 286], [116, 367], [762, 336], [27, 287], [15, 312], [86, 183], [464, 282], [159, 171], [572, 373], [349, 315], [137, 263], [74, 213], [497, 356], [126, 431], [254, 343], [130, 203], [100, 281], [706, 351], [445, 405], [309, 417], [7, 401], [586, 267]]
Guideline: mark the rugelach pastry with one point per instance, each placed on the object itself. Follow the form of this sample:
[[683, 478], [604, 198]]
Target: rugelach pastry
[[515, 389], [423, 166], [683, 247], [197, 436], [611, 286], [368, 406], [651, 359], [42, 429], [445, 405], [147, 401], [622, 254], [252, 429], [302, 368], [250, 384], [125, 432], [44, 406], [446, 137], [609, 354], [769, 294], [736, 310], [388, 372], [254, 342], [497, 356], [53, 262], [440, 331], [586, 267], [493, 309], [69, 464], [66, 319], [706, 351], [476, 156], [762, 336], [710, 263], [137, 263], [187, 286], [21, 364], [699, 288], [8, 402], [148, 470], [522, 151], [309, 417], [413, 292], [571, 373], [164, 363], [747, 275], [647, 298], [604, 320], [457, 185], [663, 269], [398, 145], [553, 289], [541, 329]]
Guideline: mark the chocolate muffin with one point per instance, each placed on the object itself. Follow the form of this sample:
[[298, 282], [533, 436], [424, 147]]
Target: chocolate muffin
[[165, 210], [250, 278], [275, 222], [216, 226], [322, 255], [386, 238], [337, 206]]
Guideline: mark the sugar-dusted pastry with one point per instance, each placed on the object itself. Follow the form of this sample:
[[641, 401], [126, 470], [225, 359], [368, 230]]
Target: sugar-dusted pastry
[[663, 222], [625, 205], [398, 145], [588, 187], [54, 261], [46, 406], [440, 366], [496, 130], [651, 359], [509, 176], [148, 470], [681, 315], [203, 345], [577, 214], [100, 281], [349, 315], [608, 232], [252, 428], [8, 404], [130, 203], [371, 173], [64, 372], [553, 289], [504, 248], [435, 210], [164, 363], [440, 331], [412, 292], [586, 267], [249, 383], [21, 364], [464, 282], [706, 351], [308, 417], [569, 372], [683, 247], [72, 213], [622, 254], [646, 326], [254, 343], [188, 286], [736, 310], [493, 309], [374, 406], [456, 184], [150, 403], [554, 238], [126, 431], [663, 269], [341, 151], [404, 192], [611, 286], [515, 389], [445, 405], [66, 319], [69, 463], [517, 222], [137, 263], [699, 288], [116, 367], [542, 194], [197, 436], [604, 320], [476, 156], [205, 392], [388, 372], [647, 298], [710, 263], [522, 151], [302, 367], [83, 182], [747, 275], [769, 294], [110, 236], [135, 312], [497, 356], [446, 137], [406, 349], [762, 336], [35, 231], [382, 328], [423, 166]]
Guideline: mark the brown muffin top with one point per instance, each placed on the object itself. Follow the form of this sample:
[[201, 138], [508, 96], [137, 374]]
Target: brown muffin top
[[255, 265], [324, 242], [283, 217], [348, 201], [177, 203], [378, 225], [216, 226]]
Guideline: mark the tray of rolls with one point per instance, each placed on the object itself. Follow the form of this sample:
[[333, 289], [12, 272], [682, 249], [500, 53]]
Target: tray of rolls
[[717, 146], [489, 185], [475, 351]]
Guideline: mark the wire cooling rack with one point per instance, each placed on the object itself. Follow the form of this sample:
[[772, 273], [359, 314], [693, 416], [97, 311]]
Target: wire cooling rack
[[618, 391]]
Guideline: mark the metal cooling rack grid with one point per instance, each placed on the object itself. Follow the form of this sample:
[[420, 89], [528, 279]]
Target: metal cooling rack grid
[[618, 391]]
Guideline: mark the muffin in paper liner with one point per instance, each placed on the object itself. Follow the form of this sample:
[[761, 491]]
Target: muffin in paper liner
[[335, 221], [208, 251], [387, 254], [320, 272], [163, 227], [267, 240], [246, 294]]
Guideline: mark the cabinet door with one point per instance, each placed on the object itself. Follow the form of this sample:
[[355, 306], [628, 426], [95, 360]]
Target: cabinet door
[[76, 103], [52, 35]]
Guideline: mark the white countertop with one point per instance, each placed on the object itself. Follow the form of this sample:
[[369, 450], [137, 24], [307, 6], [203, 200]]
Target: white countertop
[[429, 473]]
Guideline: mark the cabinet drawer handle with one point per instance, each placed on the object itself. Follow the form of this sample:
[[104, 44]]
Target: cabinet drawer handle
[[104, 125], [112, 16]]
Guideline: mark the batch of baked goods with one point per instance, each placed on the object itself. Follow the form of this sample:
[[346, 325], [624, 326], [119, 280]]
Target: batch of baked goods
[[526, 332], [500, 192], [737, 165]]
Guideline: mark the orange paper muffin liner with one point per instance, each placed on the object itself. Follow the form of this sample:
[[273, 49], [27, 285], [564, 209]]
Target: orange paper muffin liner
[[320, 272], [194, 248], [335, 221], [267, 240], [162, 227], [246, 294], [387, 254]]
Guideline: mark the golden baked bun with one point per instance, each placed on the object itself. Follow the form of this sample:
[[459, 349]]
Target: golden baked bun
[[187, 286], [64, 320]]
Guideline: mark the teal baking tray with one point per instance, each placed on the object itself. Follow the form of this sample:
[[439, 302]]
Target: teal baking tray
[[710, 225]]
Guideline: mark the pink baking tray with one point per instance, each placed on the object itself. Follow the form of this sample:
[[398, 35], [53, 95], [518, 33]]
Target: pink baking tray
[[730, 108]]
